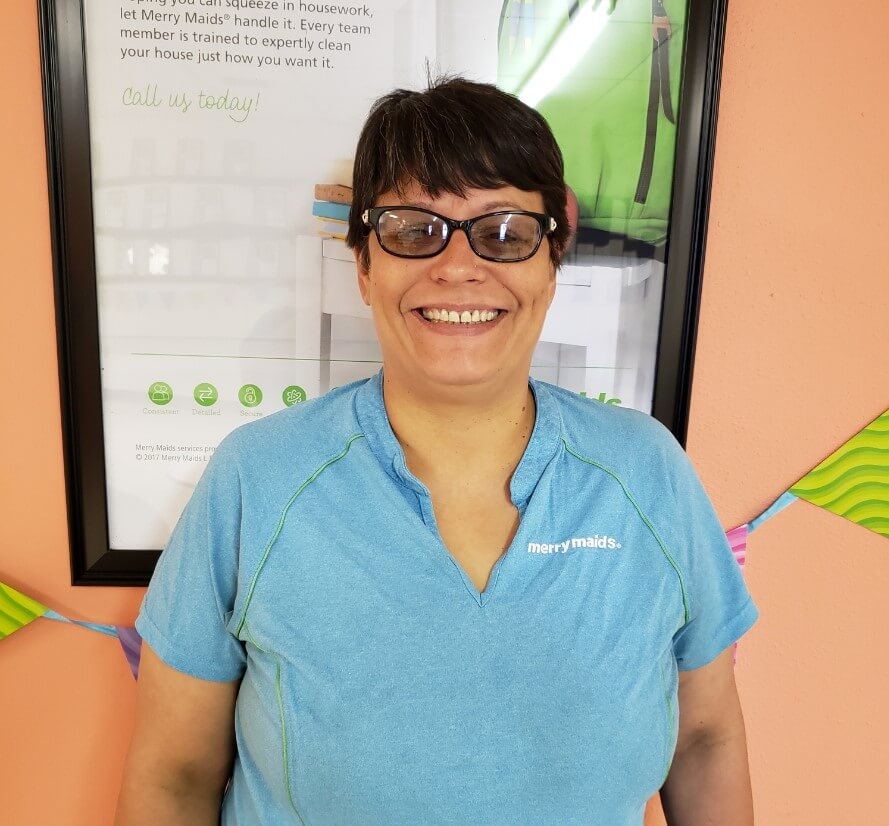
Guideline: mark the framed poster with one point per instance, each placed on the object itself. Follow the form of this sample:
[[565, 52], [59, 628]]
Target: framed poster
[[199, 157]]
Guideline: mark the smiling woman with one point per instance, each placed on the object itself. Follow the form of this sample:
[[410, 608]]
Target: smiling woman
[[403, 288], [449, 593]]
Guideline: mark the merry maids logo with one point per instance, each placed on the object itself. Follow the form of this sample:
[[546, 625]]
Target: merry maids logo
[[598, 541]]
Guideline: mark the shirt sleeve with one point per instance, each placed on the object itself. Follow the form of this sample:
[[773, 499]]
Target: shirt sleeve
[[191, 595], [718, 605]]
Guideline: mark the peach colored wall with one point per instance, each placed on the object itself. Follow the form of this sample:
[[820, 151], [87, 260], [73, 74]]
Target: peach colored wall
[[792, 340], [66, 695], [793, 348]]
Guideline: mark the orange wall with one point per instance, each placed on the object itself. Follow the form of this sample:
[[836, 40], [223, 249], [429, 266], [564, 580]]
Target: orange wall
[[790, 348], [793, 350]]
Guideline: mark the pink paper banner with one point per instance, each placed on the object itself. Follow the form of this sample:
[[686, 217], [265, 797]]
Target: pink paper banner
[[737, 539]]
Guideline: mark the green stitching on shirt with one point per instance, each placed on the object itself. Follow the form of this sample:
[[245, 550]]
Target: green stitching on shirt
[[670, 723], [279, 694], [281, 521], [644, 518]]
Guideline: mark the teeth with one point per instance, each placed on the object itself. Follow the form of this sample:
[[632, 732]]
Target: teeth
[[466, 317]]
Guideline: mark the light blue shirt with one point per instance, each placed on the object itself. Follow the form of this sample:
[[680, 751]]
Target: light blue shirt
[[379, 686]]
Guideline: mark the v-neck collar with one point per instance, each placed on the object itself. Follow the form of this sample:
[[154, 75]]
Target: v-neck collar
[[542, 445]]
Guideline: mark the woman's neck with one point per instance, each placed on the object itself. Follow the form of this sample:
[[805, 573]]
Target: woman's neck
[[461, 432]]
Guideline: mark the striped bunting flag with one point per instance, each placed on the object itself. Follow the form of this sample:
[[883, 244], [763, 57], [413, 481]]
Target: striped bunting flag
[[131, 643], [17, 610], [737, 538], [853, 482]]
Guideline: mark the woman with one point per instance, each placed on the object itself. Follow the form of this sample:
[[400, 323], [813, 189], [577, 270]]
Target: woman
[[448, 594]]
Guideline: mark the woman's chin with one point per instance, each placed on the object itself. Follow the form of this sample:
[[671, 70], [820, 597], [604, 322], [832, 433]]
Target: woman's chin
[[456, 375]]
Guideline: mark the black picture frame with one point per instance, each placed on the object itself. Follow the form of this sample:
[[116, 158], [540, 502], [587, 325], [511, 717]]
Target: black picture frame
[[66, 107]]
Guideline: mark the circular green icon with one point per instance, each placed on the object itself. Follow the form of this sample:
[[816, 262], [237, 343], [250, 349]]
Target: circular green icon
[[293, 395], [160, 393], [250, 395], [206, 395]]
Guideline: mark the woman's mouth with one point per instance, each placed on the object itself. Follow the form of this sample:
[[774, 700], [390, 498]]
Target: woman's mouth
[[444, 316]]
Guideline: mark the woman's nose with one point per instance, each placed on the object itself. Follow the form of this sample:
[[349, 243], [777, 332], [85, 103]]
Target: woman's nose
[[457, 262]]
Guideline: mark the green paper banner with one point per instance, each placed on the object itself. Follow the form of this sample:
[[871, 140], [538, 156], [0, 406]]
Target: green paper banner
[[17, 610], [853, 482]]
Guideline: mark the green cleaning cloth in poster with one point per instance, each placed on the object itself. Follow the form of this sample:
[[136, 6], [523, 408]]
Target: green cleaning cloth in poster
[[853, 481], [611, 80], [17, 610]]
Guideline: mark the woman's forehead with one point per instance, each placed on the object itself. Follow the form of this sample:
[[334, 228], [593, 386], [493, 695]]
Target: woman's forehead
[[476, 200]]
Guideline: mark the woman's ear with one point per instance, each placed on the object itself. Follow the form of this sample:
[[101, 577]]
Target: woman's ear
[[361, 256], [572, 211], [551, 288]]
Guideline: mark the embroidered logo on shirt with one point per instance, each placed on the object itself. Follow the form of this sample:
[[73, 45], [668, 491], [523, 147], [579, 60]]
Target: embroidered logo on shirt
[[598, 541]]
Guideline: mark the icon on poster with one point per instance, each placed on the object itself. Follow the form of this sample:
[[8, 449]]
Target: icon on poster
[[250, 395], [206, 395], [294, 394], [160, 393]]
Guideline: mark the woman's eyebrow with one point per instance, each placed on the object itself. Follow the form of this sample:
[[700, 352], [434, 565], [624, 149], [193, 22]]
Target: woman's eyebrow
[[490, 206], [493, 206]]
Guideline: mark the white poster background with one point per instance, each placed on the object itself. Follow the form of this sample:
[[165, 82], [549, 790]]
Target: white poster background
[[210, 265]]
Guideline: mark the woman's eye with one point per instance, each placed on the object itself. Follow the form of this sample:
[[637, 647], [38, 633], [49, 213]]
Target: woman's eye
[[414, 233], [499, 236]]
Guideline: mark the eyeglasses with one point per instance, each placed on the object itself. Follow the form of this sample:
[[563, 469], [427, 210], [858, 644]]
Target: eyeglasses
[[507, 236]]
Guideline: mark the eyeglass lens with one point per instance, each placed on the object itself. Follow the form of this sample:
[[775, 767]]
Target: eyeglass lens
[[414, 232]]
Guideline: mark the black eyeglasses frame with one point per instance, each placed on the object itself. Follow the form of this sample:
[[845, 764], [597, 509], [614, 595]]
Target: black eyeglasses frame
[[371, 219]]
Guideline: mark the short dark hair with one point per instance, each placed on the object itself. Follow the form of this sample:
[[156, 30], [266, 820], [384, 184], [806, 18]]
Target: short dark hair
[[456, 135]]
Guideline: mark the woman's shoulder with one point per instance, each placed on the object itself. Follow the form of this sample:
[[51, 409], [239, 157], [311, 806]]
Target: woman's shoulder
[[590, 422], [631, 445], [299, 436], [635, 450]]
